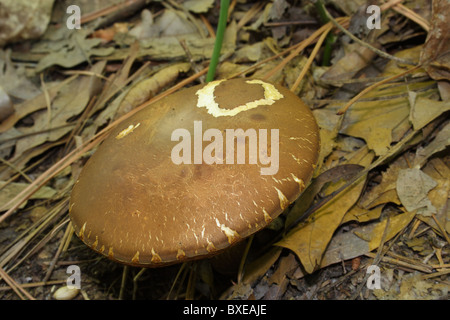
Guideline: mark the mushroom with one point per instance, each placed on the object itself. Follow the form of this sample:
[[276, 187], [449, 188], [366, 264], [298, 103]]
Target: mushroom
[[195, 173]]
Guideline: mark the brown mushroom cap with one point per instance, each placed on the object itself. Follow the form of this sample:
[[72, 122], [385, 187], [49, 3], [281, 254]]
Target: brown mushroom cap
[[133, 204]]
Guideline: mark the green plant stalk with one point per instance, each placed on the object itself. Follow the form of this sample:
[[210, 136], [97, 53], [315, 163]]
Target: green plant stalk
[[223, 16], [330, 37]]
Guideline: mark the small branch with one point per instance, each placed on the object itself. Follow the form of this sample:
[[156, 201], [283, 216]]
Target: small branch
[[359, 95], [365, 44]]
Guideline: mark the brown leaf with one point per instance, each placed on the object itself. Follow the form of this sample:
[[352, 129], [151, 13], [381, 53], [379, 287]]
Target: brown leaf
[[436, 52], [309, 241]]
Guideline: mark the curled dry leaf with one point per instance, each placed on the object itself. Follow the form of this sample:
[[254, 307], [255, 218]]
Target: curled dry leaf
[[436, 52], [147, 88]]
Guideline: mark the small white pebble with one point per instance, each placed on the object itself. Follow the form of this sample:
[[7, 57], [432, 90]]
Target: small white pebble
[[66, 293]]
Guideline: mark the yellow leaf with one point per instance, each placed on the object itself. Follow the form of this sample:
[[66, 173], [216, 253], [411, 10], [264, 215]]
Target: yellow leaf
[[310, 240], [362, 215], [425, 110], [363, 239], [396, 224]]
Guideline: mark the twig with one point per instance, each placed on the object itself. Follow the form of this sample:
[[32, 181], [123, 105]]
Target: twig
[[58, 252], [250, 14], [363, 92], [435, 274], [301, 47], [408, 13], [47, 101], [404, 264], [123, 282], [208, 26], [15, 286], [310, 59], [441, 228], [105, 11], [365, 44], [35, 284]]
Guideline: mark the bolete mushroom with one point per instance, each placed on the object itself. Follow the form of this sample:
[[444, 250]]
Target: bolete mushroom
[[196, 172]]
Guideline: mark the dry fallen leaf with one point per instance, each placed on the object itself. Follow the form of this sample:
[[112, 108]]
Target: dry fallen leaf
[[148, 87], [384, 120], [436, 52], [363, 239], [50, 124], [413, 186], [10, 190], [412, 286], [198, 6], [71, 50], [439, 171], [14, 80], [309, 240], [424, 110]]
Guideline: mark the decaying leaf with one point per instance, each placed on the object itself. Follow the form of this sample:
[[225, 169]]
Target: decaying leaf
[[346, 68], [385, 191], [413, 186], [424, 110], [198, 6], [309, 241], [35, 104], [10, 190], [363, 239], [13, 79], [71, 51], [360, 214], [147, 88], [439, 171], [384, 117], [439, 143], [413, 287], [384, 120], [436, 52], [333, 175], [50, 124]]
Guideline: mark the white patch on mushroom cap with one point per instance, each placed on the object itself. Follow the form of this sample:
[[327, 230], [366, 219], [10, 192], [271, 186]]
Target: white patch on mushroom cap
[[207, 100]]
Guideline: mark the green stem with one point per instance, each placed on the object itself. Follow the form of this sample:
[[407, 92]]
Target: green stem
[[224, 4], [320, 7]]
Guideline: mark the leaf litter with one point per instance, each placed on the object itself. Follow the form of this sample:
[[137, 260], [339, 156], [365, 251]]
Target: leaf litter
[[381, 187]]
